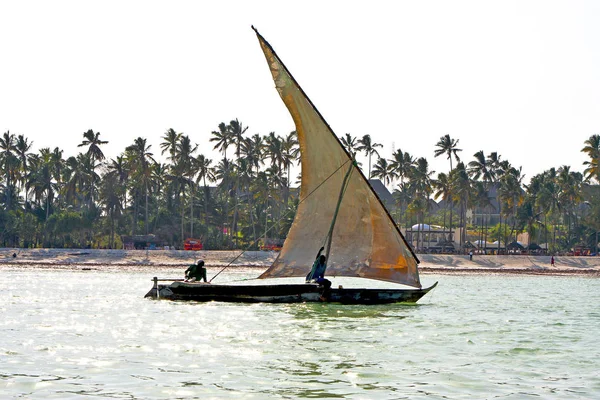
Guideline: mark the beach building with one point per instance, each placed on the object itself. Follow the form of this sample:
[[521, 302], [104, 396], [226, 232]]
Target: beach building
[[430, 238]]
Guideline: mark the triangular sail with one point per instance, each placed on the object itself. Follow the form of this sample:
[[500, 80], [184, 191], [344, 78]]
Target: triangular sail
[[366, 243]]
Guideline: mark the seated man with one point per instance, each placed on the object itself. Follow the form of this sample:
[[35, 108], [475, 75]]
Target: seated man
[[195, 272], [317, 273]]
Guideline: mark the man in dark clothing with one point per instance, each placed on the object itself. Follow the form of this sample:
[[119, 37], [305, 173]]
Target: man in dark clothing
[[317, 274], [195, 272]]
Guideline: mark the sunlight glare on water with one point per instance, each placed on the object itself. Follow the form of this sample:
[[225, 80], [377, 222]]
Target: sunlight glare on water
[[69, 333]]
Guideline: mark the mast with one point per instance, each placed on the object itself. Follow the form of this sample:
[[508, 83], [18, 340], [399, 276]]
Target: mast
[[337, 209]]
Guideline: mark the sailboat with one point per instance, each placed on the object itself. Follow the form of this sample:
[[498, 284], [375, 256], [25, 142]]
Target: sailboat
[[338, 209]]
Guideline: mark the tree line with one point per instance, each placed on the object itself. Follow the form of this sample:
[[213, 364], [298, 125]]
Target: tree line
[[86, 200]]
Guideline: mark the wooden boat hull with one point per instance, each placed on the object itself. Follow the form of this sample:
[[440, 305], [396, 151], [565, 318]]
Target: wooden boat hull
[[286, 293]]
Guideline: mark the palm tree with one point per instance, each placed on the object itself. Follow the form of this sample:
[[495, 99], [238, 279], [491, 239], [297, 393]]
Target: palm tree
[[421, 182], [160, 175], [22, 147], [274, 149], [482, 200], [461, 193], [447, 146], [57, 164], [245, 177], [443, 188], [350, 143], [223, 172], [402, 197], [253, 150], [496, 165], [592, 149], [170, 142], [402, 163], [111, 192], [42, 180], [592, 219], [384, 171], [483, 167], [369, 148], [223, 139], [542, 198], [142, 171], [570, 195], [530, 215], [501, 168], [290, 152], [10, 165], [237, 130], [80, 180], [420, 177], [184, 172], [119, 169], [204, 173], [510, 194], [92, 140]]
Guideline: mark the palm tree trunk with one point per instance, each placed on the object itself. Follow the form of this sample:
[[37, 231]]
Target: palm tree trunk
[[191, 210], [146, 209], [486, 222], [463, 222], [235, 216], [8, 186], [156, 212], [182, 216], [205, 204], [135, 213], [287, 192], [251, 210], [500, 225], [112, 230]]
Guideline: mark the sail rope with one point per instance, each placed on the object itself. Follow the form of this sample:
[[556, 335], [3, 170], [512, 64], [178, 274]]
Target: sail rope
[[285, 215]]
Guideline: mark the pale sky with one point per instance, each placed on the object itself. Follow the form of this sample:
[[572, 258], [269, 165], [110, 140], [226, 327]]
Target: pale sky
[[518, 77]]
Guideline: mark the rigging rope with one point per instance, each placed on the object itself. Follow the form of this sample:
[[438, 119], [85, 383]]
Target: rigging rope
[[281, 218]]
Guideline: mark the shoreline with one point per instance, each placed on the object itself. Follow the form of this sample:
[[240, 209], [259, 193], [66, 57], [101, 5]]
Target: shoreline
[[96, 259]]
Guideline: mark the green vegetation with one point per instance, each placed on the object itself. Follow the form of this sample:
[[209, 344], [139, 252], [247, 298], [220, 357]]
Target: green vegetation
[[87, 201], [47, 200]]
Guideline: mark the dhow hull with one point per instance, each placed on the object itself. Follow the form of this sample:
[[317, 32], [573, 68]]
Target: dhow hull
[[285, 293]]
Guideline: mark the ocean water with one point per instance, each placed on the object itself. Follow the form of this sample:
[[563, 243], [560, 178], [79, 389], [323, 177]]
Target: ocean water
[[91, 334]]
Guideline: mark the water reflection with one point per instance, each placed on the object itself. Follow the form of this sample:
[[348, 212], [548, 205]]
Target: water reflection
[[323, 311], [69, 334]]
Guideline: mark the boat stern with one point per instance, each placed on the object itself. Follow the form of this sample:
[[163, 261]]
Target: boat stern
[[159, 291]]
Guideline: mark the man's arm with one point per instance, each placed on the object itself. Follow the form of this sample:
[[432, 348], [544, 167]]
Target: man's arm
[[320, 251]]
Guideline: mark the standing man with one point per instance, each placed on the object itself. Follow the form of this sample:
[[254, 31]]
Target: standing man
[[195, 272]]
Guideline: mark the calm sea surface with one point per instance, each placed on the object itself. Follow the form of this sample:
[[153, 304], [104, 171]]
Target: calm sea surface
[[73, 334]]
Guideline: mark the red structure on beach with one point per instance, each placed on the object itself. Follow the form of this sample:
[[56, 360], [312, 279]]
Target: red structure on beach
[[192, 244]]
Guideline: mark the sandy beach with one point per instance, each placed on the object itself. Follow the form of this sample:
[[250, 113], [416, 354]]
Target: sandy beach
[[430, 263]]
